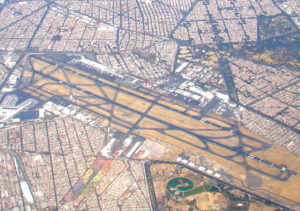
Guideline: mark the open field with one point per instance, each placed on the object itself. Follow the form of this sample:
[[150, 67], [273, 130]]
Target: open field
[[151, 124], [174, 106], [232, 141], [220, 150], [217, 122], [177, 119], [204, 194], [158, 120], [192, 139]]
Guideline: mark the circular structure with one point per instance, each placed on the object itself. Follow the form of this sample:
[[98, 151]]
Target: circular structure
[[179, 185]]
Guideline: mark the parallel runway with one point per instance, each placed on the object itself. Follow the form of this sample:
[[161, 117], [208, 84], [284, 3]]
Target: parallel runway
[[151, 116]]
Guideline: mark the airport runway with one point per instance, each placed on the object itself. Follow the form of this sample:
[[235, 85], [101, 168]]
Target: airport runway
[[163, 120]]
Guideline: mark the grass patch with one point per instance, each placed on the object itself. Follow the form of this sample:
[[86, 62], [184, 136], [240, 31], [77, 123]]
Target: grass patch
[[201, 189]]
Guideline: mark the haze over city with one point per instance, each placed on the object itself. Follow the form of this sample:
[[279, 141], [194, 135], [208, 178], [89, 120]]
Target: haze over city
[[164, 105]]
